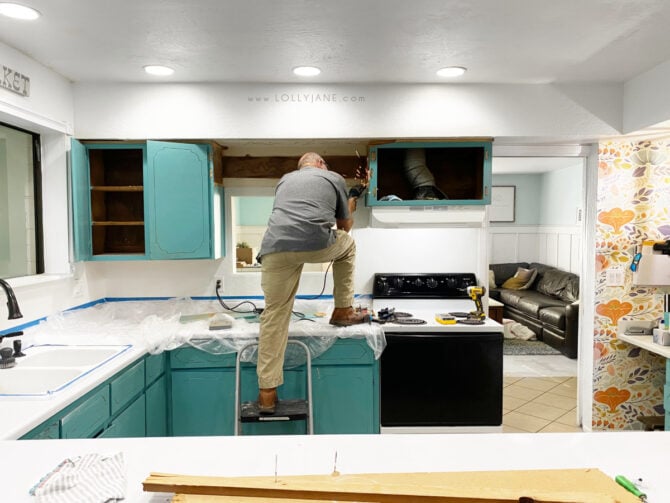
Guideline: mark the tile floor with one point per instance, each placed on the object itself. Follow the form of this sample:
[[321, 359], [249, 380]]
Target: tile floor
[[539, 394]]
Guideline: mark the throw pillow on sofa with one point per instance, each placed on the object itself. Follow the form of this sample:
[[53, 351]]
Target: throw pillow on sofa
[[492, 280], [522, 279]]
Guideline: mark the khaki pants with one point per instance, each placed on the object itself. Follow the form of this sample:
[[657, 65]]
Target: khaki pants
[[279, 280]]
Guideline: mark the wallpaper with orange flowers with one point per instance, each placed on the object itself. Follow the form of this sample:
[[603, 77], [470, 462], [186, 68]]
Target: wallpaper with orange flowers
[[633, 205]]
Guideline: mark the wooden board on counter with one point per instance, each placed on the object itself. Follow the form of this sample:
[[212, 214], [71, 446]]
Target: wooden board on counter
[[586, 485]]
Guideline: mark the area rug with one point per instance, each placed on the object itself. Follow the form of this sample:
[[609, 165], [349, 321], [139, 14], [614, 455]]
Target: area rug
[[521, 347]]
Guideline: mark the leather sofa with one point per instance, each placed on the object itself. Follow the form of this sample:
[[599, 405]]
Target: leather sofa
[[549, 305]]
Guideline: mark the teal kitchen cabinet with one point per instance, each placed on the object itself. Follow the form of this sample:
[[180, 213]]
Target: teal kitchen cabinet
[[345, 393], [460, 170], [126, 405], [150, 200]]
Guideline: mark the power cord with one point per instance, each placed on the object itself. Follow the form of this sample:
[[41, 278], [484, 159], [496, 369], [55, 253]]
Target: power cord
[[323, 288], [254, 309]]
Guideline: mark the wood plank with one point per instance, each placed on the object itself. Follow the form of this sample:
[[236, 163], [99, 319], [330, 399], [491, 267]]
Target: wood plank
[[545, 486], [108, 223], [118, 188], [276, 167]]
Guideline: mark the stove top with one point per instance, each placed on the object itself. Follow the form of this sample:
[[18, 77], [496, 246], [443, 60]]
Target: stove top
[[423, 296]]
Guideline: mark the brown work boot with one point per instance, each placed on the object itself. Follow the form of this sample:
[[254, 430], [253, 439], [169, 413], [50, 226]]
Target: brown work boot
[[267, 400], [346, 316]]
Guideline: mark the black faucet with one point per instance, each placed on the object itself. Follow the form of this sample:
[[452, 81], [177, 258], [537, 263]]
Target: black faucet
[[12, 304]]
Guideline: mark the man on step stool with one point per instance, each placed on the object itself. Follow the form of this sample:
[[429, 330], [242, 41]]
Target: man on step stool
[[310, 221]]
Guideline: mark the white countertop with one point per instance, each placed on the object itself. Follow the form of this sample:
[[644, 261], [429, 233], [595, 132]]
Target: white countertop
[[632, 454]]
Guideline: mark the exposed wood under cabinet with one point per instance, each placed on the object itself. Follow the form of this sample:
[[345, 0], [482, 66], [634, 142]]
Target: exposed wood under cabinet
[[276, 167]]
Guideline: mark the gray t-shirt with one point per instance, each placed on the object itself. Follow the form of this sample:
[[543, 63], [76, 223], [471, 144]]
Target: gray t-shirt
[[307, 203]]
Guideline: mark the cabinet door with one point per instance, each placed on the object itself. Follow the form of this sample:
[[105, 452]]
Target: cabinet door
[[457, 173], [203, 402], [345, 399], [178, 195], [156, 399], [81, 201], [108, 201], [47, 430], [130, 423]]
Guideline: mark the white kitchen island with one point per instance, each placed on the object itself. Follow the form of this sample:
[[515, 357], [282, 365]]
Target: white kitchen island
[[633, 454]]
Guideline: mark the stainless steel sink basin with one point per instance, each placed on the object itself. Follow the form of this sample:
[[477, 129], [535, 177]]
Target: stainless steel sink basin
[[49, 368], [36, 381]]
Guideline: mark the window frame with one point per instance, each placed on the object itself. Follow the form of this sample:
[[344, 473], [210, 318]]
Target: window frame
[[37, 198]]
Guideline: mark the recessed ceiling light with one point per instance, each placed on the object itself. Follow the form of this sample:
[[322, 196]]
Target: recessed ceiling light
[[451, 71], [306, 71], [18, 11], [158, 70]]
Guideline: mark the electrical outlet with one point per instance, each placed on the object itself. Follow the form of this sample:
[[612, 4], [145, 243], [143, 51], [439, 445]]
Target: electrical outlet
[[614, 277], [219, 284]]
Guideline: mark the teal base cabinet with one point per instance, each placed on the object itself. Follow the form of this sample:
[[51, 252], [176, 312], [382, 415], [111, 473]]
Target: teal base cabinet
[[129, 404], [345, 392]]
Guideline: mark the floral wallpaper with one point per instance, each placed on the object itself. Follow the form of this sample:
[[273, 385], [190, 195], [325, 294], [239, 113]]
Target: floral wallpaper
[[633, 204]]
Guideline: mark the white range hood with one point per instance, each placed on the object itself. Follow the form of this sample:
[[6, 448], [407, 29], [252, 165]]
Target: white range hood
[[401, 216]]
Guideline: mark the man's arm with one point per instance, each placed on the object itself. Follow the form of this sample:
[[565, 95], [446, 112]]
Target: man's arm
[[347, 223]]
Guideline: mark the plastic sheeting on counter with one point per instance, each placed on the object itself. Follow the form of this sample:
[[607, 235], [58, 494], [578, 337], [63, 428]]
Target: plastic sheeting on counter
[[164, 325]]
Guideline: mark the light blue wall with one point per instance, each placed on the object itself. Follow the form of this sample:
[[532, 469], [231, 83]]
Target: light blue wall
[[528, 195], [252, 210], [561, 196], [550, 198]]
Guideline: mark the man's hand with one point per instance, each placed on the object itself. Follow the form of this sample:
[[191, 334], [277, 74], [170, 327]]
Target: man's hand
[[356, 191]]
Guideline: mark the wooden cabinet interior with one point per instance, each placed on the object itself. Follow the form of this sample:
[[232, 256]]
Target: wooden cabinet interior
[[458, 172], [117, 200]]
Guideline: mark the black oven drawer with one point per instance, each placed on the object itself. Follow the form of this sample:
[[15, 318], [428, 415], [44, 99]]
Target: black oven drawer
[[441, 380]]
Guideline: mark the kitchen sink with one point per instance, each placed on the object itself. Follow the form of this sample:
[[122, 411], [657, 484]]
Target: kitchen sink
[[36, 381], [48, 368]]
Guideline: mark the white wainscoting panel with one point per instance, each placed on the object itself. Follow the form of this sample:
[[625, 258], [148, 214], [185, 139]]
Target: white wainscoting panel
[[552, 245]]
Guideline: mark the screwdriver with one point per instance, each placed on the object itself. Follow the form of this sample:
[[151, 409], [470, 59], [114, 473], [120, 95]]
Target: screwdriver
[[630, 487]]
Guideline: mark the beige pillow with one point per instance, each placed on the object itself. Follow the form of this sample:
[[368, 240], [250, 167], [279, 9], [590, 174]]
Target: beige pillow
[[492, 279], [522, 279]]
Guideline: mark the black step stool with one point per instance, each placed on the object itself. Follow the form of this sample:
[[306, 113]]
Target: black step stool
[[287, 410]]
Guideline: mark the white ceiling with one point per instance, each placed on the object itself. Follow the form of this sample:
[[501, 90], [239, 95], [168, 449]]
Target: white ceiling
[[352, 41]]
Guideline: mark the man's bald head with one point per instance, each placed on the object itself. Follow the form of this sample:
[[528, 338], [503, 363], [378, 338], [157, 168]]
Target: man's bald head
[[312, 159]]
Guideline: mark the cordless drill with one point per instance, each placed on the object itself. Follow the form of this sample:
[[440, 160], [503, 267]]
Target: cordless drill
[[476, 293]]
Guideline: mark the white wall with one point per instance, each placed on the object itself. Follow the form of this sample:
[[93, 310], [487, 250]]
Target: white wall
[[47, 111], [50, 104], [552, 245], [298, 111], [646, 99]]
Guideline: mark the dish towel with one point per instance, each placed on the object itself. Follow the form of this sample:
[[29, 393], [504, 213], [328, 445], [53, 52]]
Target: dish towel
[[91, 478]]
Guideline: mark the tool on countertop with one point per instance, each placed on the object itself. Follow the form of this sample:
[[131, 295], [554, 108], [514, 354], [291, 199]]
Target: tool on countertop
[[445, 319], [476, 293], [220, 321], [630, 487]]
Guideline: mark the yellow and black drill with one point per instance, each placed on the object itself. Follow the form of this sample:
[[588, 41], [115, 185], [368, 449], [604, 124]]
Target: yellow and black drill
[[476, 293]]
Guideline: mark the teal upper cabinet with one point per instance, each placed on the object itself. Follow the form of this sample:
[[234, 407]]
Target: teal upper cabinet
[[149, 200], [430, 173]]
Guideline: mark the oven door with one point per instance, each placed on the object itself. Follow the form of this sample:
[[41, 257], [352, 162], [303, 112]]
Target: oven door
[[429, 381]]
